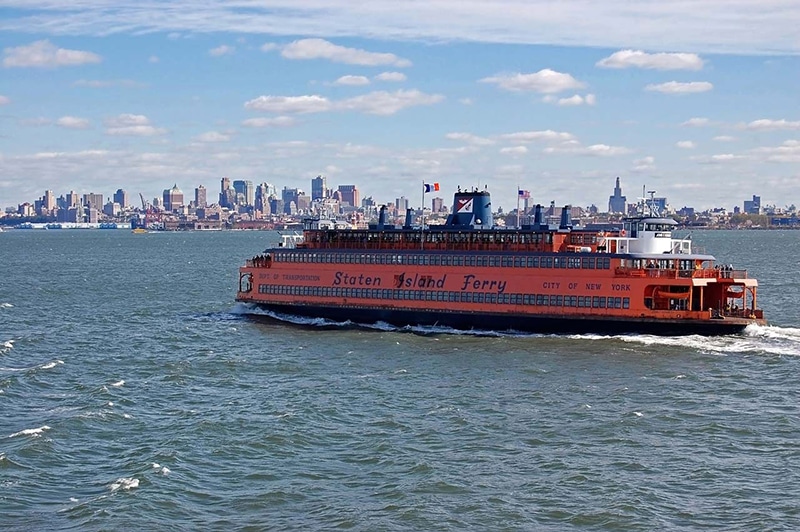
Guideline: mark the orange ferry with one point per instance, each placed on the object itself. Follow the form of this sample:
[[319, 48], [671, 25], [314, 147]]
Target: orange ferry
[[468, 274]]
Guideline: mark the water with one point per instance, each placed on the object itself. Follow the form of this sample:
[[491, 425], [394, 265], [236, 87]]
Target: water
[[135, 396]]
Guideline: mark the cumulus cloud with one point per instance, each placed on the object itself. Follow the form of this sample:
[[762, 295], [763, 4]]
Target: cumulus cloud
[[595, 150], [724, 138], [213, 136], [545, 81], [352, 80], [697, 122], [788, 152], [377, 103], [322, 49], [725, 157], [686, 144], [132, 125], [577, 99], [278, 121], [72, 122], [766, 124], [469, 138], [658, 61], [547, 135], [290, 104], [44, 54], [221, 50], [514, 150], [676, 87], [390, 76], [645, 164]]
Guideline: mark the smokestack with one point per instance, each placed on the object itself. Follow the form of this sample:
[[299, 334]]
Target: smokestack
[[566, 217]]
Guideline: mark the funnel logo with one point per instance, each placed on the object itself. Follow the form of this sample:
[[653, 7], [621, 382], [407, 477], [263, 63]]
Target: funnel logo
[[464, 205]]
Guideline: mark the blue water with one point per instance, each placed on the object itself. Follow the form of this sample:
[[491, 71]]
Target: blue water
[[134, 394]]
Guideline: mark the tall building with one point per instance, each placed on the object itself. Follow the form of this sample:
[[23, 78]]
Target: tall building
[[173, 199], [437, 204], [289, 196], [49, 201], [226, 193], [121, 197], [617, 202], [349, 194], [72, 200], [401, 205], [245, 192], [92, 200], [753, 206], [200, 197], [319, 188]]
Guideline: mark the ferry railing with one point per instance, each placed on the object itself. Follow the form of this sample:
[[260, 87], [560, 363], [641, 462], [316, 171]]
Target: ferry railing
[[661, 273]]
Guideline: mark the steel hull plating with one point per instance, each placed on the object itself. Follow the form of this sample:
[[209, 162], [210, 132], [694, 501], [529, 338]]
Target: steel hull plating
[[606, 325]]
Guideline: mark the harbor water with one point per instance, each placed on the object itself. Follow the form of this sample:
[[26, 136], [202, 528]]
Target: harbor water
[[136, 395]]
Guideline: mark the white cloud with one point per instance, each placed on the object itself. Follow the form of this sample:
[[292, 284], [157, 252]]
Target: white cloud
[[676, 87], [766, 124], [72, 122], [221, 50], [290, 104], [377, 103], [322, 49], [101, 84], [279, 121], [645, 164], [387, 103], [4, 100], [685, 144], [697, 122], [269, 46], [44, 54], [514, 150], [132, 125], [213, 136], [352, 80], [546, 81], [658, 61], [533, 136], [390, 76], [724, 138], [788, 152], [469, 138], [595, 150], [718, 26], [724, 157], [577, 99]]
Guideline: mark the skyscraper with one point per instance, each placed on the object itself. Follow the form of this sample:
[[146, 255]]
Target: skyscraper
[[617, 202], [319, 188], [200, 197], [121, 197], [173, 199], [245, 192], [350, 195]]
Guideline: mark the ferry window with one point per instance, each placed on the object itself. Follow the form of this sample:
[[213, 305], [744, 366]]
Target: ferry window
[[464, 297], [480, 298], [533, 262], [507, 261], [626, 302], [491, 298], [574, 262], [519, 262], [587, 263], [542, 299], [526, 299], [553, 301], [494, 261], [546, 262]]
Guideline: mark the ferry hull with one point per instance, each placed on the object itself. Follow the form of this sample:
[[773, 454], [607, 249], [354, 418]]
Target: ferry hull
[[500, 322]]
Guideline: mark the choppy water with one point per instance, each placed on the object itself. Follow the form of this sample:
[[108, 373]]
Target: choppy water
[[134, 395]]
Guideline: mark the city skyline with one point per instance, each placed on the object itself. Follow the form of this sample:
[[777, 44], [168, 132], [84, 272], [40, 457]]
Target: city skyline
[[700, 106]]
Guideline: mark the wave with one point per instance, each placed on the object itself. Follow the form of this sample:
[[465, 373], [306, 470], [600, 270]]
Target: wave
[[51, 365], [6, 305], [124, 483], [31, 432], [6, 346]]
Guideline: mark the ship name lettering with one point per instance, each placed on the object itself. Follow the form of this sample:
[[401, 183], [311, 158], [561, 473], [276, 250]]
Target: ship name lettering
[[593, 286], [419, 281], [344, 278], [621, 287], [550, 284], [484, 284]]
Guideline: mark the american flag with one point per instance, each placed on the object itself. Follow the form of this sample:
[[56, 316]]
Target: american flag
[[525, 194]]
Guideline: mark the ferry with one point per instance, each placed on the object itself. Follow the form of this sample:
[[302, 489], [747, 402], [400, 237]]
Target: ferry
[[469, 274]]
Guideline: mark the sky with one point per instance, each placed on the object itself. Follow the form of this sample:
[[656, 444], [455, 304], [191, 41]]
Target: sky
[[698, 100]]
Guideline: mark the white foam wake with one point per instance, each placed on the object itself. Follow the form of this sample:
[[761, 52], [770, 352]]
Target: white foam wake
[[31, 432], [117, 384], [125, 484], [51, 365]]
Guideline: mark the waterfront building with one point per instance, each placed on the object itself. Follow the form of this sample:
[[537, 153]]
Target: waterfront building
[[401, 205], [753, 206], [437, 205], [245, 192], [349, 194], [93, 200]]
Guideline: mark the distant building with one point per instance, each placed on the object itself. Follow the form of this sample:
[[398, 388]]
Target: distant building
[[753, 206], [289, 197], [200, 197], [173, 199], [349, 194], [245, 192], [72, 200], [319, 188], [121, 197], [437, 204], [227, 195], [401, 205], [92, 200], [617, 202], [112, 208]]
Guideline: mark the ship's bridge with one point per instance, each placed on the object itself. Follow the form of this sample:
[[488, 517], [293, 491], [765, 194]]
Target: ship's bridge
[[652, 236]]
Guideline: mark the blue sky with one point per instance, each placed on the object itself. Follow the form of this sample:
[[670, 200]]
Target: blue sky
[[697, 100]]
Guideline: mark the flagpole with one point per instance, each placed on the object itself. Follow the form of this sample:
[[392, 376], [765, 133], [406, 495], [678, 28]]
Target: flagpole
[[518, 189], [422, 225]]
